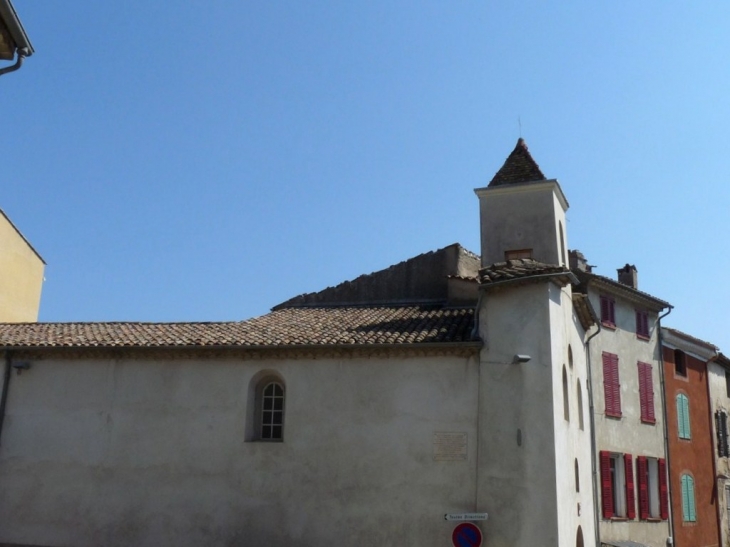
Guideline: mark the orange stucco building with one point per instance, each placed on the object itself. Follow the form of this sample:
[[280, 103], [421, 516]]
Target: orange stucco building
[[691, 462]]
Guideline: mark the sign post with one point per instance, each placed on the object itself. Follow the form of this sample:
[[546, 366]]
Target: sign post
[[467, 534]]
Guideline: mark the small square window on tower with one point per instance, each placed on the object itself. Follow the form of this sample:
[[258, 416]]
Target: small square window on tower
[[517, 254]]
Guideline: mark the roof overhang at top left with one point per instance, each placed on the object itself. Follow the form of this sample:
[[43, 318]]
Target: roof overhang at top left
[[14, 42]]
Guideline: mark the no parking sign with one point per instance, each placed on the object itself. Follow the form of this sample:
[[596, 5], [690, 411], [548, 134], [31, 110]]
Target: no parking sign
[[467, 534]]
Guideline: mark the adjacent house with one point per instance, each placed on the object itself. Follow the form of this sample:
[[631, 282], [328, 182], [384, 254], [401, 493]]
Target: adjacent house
[[626, 401], [21, 275], [718, 383], [692, 469]]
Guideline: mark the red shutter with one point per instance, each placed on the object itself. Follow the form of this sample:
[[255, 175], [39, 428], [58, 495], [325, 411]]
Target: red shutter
[[604, 309], [611, 385], [612, 311], [630, 497], [646, 393], [606, 484], [642, 391], [607, 390], [642, 474], [663, 493], [649, 383], [638, 323]]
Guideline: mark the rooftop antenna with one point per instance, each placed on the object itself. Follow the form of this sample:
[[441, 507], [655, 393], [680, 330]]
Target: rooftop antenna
[[519, 123]]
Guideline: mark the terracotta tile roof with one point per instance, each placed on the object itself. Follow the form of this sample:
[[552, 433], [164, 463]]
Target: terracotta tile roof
[[516, 269], [288, 327], [518, 167]]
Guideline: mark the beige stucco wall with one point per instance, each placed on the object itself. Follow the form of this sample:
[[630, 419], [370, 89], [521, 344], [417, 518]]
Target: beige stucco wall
[[523, 216], [21, 276], [526, 474], [152, 453], [628, 435]]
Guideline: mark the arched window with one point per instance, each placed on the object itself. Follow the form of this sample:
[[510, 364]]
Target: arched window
[[271, 421], [265, 408], [577, 476], [579, 538], [689, 513], [683, 416], [580, 404], [566, 403]]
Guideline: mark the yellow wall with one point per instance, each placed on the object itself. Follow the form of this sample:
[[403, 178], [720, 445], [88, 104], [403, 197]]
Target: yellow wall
[[21, 276]]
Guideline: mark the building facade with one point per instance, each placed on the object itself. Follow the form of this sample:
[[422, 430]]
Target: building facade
[[515, 388], [627, 401]]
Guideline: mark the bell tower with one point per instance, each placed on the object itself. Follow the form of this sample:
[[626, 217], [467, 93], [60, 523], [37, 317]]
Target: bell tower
[[522, 213]]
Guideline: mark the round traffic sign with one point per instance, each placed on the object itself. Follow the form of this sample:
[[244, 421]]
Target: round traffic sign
[[467, 534]]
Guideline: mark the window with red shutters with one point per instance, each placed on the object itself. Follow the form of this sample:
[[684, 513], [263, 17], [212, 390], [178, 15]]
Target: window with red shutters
[[630, 498], [642, 476], [646, 393], [608, 311], [611, 385], [663, 492], [606, 484], [642, 324]]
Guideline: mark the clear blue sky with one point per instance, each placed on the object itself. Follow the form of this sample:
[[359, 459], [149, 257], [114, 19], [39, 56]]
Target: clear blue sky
[[203, 161]]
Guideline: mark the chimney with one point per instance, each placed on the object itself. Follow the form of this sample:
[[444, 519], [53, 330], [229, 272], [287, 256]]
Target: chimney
[[628, 276], [578, 261]]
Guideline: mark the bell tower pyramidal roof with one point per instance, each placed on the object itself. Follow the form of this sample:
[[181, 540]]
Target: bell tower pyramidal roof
[[518, 167], [522, 213]]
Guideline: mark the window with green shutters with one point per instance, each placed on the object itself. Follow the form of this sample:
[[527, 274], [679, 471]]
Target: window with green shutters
[[683, 416], [688, 499]]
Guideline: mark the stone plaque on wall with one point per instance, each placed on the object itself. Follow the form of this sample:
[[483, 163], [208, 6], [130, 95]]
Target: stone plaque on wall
[[449, 446]]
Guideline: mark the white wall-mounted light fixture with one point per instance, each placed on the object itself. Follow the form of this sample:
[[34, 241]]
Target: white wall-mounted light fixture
[[520, 358]]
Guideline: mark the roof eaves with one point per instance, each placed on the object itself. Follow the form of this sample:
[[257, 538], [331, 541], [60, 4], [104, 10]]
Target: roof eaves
[[624, 290], [473, 344], [676, 339], [563, 278], [10, 17], [586, 314]]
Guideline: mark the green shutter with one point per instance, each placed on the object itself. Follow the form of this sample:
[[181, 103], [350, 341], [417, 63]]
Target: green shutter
[[683, 416], [687, 431], [689, 513]]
